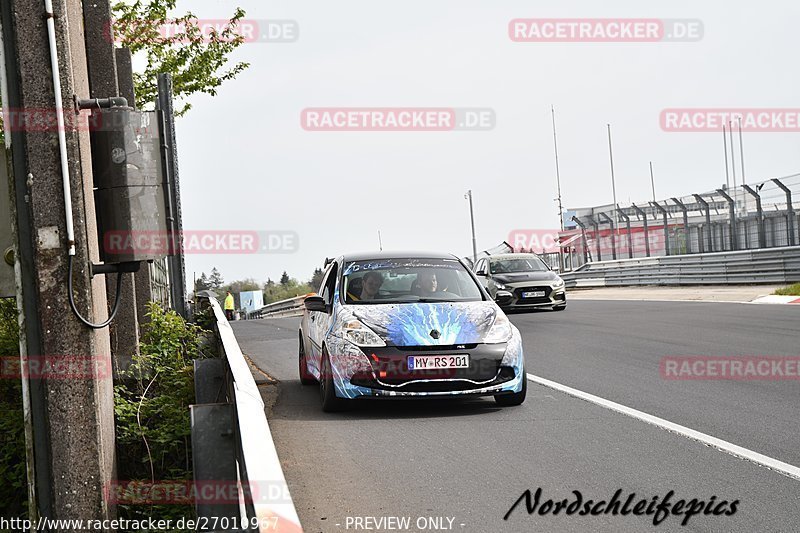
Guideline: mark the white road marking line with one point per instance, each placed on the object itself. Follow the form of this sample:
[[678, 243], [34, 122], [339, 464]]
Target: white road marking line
[[582, 299], [733, 449]]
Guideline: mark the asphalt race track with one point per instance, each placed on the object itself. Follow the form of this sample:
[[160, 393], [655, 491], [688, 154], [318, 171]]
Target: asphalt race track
[[464, 464]]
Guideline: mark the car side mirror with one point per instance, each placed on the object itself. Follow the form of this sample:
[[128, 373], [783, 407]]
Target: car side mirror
[[315, 303], [481, 273], [503, 298]]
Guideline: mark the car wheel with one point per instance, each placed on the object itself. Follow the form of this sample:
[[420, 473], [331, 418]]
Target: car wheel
[[305, 376], [516, 398], [330, 402], [559, 307]]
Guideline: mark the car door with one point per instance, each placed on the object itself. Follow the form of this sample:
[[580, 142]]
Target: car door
[[313, 329], [320, 321]]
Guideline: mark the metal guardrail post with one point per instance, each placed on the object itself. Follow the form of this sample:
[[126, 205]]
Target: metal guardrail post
[[209, 381], [762, 236], [627, 220], [613, 238], [583, 236], [789, 210], [707, 209], [732, 207], [685, 223], [214, 460], [596, 227], [666, 225], [642, 214]]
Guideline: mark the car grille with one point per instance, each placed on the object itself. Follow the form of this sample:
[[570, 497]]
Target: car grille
[[438, 348], [546, 298]]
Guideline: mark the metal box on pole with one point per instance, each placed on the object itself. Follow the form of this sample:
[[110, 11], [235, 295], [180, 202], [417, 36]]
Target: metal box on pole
[[129, 185]]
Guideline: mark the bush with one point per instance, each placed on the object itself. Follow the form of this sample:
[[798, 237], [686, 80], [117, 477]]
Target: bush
[[13, 477], [152, 410]]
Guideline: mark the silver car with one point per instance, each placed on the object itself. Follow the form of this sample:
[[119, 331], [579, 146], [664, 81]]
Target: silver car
[[521, 281]]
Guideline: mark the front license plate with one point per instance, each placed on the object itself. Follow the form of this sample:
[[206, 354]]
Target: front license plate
[[434, 362], [533, 294]]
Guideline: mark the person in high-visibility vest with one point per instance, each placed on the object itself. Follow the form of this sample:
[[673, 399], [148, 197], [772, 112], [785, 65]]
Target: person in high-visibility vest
[[229, 306]]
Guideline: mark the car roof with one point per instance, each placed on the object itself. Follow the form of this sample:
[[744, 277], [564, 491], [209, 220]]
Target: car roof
[[512, 256], [412, 254]]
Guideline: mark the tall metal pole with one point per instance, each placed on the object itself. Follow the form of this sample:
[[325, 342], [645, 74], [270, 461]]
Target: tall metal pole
[[380, 241], [613, 187], [725, 145], [558, 174], [558, 182], [652, 181], [733, 153], [176, 260], [741, 149], [611, 159], [472, 222]]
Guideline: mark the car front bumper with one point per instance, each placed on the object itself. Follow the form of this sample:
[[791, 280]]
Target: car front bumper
[[553, 296], [358, 375]]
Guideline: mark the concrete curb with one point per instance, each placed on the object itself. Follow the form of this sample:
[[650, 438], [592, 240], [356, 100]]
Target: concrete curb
[[776, 299]]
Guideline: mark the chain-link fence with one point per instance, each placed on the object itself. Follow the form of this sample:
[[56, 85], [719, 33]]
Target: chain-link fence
[[761, 215]]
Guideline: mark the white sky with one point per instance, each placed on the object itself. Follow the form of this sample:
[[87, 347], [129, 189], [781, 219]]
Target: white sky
[[246, 163]]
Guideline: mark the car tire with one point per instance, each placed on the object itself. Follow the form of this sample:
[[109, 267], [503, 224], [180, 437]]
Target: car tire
[[330, 402], [305, 376], [516, 398], [559, 307]]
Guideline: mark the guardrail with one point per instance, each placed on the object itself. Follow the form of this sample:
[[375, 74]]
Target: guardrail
[[767, 265], [232, 446], [284, 308]]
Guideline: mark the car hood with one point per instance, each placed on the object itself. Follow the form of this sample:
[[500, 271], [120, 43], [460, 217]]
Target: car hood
[[411, 324], [517, 277]]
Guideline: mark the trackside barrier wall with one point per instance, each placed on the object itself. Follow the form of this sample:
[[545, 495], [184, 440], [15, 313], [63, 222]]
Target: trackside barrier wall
[[289, 307], [768, 265], [258, 468]]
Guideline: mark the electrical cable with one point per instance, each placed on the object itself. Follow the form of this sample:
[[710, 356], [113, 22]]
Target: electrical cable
[[75, 308]]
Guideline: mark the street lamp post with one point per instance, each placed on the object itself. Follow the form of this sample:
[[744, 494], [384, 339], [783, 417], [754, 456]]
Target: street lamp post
[[468, 196], [558, 182]]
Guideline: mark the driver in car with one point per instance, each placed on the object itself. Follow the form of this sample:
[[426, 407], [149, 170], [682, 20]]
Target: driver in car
[[371, 284], [426, 284]]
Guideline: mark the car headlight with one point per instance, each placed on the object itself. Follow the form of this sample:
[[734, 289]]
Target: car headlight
[[513, 356], [558, 283], [500, 285], [500, 332], [360, 335]]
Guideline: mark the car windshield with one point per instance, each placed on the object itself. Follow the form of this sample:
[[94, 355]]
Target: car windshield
[[518, 264], [408, 280]]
